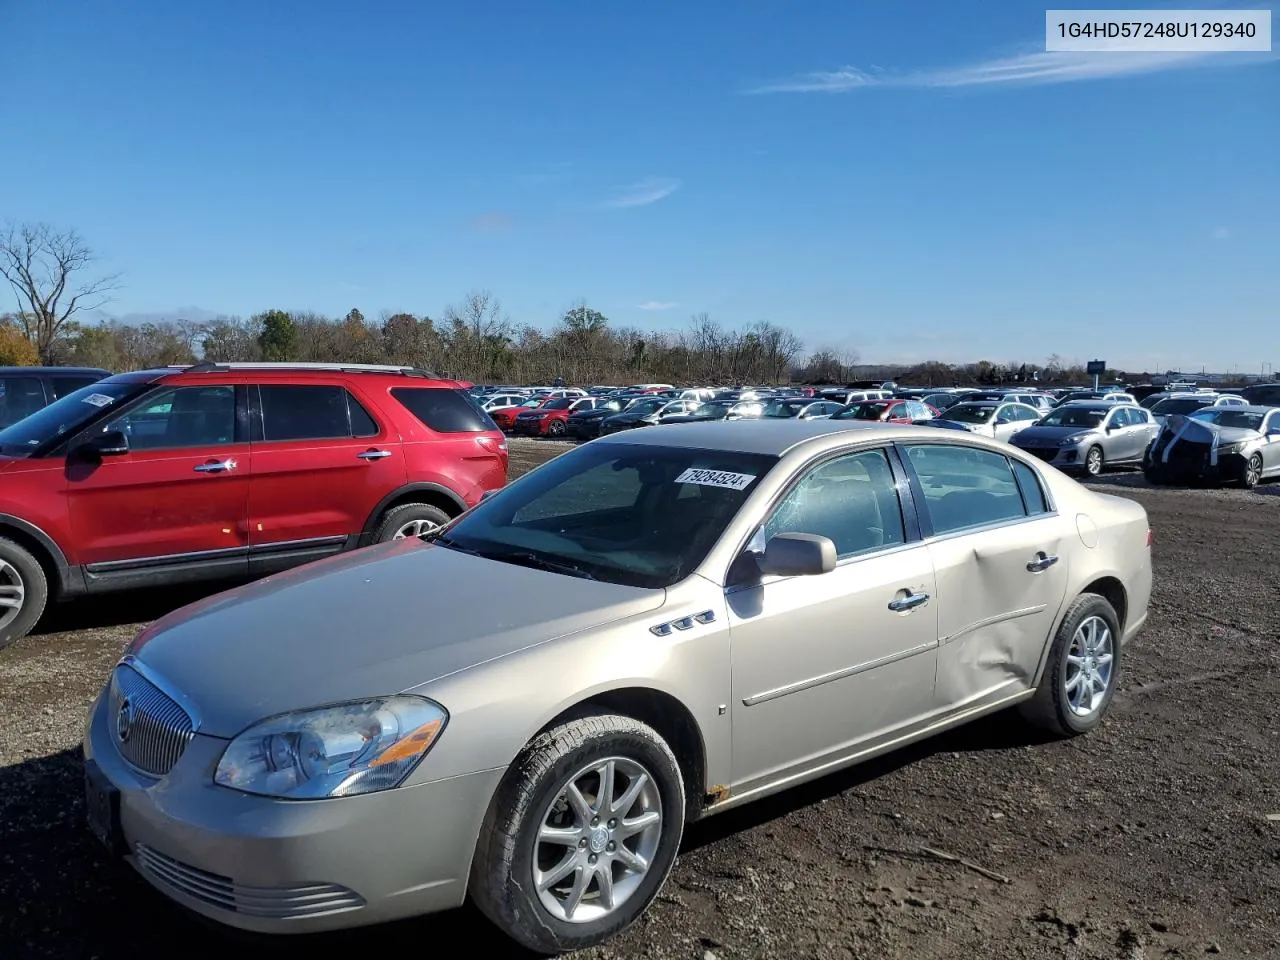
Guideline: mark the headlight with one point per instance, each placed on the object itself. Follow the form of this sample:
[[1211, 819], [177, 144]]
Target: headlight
[[1237, 447], [1070, 441], [337, 751]]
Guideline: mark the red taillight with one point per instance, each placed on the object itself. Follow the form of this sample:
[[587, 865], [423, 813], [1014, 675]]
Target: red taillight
[[493, 444], [1150, 537]]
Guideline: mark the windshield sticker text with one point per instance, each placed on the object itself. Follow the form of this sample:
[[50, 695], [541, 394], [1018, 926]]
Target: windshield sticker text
[[716, 478], [99, 399]]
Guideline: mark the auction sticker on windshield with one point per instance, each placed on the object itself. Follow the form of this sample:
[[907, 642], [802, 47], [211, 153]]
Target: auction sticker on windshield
[[716, 478], [99, 399]]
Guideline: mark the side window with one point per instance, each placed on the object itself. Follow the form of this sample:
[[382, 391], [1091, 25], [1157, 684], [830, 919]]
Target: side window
[[444, 410], [851, 500], [182, 417], [311, 412], [1033, 498], [964, 486], [1026, 412], [19, 398], [64, 385]]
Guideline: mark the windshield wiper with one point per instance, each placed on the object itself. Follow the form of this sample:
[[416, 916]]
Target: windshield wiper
[[537, 561]]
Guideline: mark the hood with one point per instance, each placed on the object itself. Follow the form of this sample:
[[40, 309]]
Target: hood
[[365, 624], [1054, 434], [592, 414], [1228, 435], [688, 418], [631, 417]]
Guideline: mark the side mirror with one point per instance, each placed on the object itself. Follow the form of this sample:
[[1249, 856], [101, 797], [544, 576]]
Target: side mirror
[[798, 555], [113, 443]]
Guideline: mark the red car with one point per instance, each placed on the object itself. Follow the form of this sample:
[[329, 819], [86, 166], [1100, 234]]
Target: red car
[[505, 417], [550, 419], [229, 471], [887, 411]]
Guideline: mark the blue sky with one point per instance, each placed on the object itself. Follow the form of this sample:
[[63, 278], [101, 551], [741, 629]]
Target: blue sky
[[910, 180]]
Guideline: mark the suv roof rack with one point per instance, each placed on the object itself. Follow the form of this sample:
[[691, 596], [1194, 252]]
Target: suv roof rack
[[209, 366]]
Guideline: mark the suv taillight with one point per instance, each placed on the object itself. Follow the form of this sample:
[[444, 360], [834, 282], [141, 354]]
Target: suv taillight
[[493, 444]]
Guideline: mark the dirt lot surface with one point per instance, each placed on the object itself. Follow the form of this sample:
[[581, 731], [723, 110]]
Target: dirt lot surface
[[1156, 836]]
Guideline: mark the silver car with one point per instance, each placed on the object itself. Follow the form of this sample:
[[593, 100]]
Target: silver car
[[526, 707], [990, 418], [1087, 436]]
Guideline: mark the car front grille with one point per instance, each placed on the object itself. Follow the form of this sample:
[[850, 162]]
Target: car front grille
[[282, 903], [150, 729], [1045, 454]]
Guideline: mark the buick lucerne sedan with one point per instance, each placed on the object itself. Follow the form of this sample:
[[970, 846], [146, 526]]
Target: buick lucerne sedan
[[649, 629]]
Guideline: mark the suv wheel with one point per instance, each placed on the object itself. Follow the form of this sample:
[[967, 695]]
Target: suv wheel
[[410, 520], [581, 834], [24, 590]]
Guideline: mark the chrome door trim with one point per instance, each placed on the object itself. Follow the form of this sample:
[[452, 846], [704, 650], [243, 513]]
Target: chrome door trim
[[992, 621], [840, 674]]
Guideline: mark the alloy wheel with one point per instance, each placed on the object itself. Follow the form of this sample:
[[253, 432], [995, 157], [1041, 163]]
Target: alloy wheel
[[415, 528], [13, 593], [1089, 666]]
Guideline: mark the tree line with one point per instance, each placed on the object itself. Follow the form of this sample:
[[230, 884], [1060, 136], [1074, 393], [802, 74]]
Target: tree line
[[50, 274]]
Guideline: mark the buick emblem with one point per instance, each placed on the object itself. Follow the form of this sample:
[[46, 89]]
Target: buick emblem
[[124, 720]]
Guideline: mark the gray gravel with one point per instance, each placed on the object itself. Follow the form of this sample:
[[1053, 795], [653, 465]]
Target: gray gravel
[[1149, 838]]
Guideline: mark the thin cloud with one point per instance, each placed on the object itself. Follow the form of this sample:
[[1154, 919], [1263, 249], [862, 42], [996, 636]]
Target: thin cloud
[[643, 193], [657, 305], [1040, 67], [1220, 233], [495, 221]]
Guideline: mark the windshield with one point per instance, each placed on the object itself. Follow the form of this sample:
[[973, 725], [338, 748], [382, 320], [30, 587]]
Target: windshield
[[1226, 417], [967, 413], [713, 410], [784, 408], [647, 406], [564, 403], [1179, 405], [1073, 417], [45, 427], [862, 411], [636, 515]]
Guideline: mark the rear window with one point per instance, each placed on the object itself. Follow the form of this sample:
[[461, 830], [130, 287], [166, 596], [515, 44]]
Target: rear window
[[64, 385], [444, 410]]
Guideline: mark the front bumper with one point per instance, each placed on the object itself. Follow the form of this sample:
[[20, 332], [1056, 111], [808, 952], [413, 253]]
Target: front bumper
[[1230, 468], [530, 428], [582, 430], [1064, 458], [278, 866]]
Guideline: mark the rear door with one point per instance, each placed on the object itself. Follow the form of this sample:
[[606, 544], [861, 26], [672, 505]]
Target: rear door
[[1000, 555], [321, 461], [176, 505]]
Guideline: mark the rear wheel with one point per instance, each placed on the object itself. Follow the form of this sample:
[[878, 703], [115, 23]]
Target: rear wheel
[[1082, 671], [580, 835], [410, 520], [24, 591]]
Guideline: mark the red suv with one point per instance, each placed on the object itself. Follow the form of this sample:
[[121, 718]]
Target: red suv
[[229, 471]]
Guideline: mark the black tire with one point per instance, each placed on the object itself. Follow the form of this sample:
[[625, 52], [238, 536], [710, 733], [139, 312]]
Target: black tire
[[398, 517], [1050, 709], [1252, 472], [555, 428], [502, 883], [21, 574], [1094, 462]]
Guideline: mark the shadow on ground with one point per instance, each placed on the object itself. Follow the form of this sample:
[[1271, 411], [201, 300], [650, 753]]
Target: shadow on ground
[[63, 898]]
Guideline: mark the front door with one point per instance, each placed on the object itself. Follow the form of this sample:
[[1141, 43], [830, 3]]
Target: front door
[[824, 664], [321, 464], [1000, 557], [174, 506]]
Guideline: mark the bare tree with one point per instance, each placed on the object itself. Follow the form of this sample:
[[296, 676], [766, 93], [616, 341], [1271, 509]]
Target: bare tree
[[43, 266]]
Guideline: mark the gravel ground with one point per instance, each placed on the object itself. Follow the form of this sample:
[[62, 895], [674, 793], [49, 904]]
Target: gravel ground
[[1156, 836]]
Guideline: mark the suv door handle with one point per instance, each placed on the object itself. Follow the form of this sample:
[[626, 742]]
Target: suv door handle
[[215, 466], [1042, 562], [374, 454], [909, 602]]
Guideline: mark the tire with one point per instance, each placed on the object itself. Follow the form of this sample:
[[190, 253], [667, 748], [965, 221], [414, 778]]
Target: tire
[[1094, 462], [555, 428], [535, 788], [25, 587], [1052, 707], [1252, 472], [397, 522]]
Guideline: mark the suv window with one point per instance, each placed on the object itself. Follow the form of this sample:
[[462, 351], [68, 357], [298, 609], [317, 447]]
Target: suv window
[[19, 398], [444, 410], [312, 412], [64, 385], [181, 417], [965, 487], [851, 500]]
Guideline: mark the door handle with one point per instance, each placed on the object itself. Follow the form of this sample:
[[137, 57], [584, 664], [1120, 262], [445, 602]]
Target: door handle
[[374, 454], [909, 602], [1042, 562], [215, 466]]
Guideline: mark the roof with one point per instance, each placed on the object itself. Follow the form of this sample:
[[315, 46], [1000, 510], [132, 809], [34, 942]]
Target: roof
[[769, 437], [280, 369], [1236, 408], [55, 371]]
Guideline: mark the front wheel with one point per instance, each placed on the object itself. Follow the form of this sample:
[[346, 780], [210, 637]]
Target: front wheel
[[1252, 472], [581, 834], [1094, 462], [555, 428], [1082, 671]]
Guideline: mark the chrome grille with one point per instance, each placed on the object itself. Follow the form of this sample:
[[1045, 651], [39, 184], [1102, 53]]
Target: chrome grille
[[150, 728], [304, 900]]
